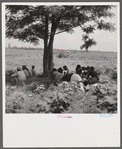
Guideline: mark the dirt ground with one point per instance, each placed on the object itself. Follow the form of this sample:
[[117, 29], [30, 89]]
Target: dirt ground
[[66, 97]]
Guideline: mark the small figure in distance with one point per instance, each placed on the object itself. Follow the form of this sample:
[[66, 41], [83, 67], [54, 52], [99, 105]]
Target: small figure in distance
[[25, 69], [18, 76], [76, 78]]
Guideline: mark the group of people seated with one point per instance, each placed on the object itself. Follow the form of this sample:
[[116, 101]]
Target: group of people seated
[[83, 75], [21, 74]]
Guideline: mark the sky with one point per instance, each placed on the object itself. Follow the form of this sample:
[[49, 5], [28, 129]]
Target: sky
[[106, 41]]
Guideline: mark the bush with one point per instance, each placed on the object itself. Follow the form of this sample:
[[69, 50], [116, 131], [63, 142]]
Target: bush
[[8, 76], [63, 55], [114, 75]]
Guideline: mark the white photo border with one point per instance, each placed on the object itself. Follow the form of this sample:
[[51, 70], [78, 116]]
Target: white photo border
[[35, 130]]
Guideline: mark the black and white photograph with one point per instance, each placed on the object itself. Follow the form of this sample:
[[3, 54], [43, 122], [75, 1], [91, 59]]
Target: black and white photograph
[[61, 59], [73, 70]]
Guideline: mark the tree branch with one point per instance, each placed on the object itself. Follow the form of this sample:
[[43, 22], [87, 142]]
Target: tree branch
[[66, 30], [60, 32]]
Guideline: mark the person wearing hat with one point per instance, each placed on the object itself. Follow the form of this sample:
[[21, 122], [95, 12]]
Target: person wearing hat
[[18, 76]]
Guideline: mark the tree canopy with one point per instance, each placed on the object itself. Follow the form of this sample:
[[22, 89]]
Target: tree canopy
[[31, 23]]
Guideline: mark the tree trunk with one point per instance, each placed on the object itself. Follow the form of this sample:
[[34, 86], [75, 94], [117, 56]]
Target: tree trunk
[[86, 50], [45, 55], [50, 62], [50, 54], [45, 63], [48, 48], [48, 57]]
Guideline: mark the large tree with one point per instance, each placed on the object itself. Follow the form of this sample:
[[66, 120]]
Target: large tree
[[31, 23]]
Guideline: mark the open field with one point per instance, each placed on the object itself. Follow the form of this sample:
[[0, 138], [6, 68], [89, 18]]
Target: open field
[[15, 58], [101, 99]]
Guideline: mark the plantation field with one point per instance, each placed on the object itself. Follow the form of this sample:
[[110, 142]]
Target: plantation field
[[15, 58], [66, 97]]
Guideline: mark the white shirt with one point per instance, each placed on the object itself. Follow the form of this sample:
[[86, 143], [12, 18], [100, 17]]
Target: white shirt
[[20, 75], [75, 78]]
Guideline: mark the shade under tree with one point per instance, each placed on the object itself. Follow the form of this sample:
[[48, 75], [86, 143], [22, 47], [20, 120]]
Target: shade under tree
[[32, 23]]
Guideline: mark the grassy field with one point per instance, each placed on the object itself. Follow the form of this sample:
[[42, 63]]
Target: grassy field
[[70, 100], [15, 58]]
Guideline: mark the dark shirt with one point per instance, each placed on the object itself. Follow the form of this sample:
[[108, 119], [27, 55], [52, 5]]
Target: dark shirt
[[66, 72], [93, 74]]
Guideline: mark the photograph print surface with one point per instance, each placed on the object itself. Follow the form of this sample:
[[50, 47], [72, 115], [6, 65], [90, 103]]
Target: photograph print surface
[[61, 58], [61, 74]]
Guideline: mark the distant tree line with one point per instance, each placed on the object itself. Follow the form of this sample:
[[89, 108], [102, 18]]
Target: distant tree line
[[24, 48]]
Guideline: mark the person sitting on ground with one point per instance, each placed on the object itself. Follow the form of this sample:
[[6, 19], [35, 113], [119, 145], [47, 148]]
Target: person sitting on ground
[[34, 72], [78, 67], [67, 75], [83, 70], [54, 72], [60, 74], [25, 69], [57, 75], [86, 85], [76, 78], [18, 76], [29, 72], [88, 68], [84, 74], [93, 76], [84, 77], [65, 70]]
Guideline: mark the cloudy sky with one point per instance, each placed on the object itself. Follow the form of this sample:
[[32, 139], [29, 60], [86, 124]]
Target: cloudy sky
[[106, 41]]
